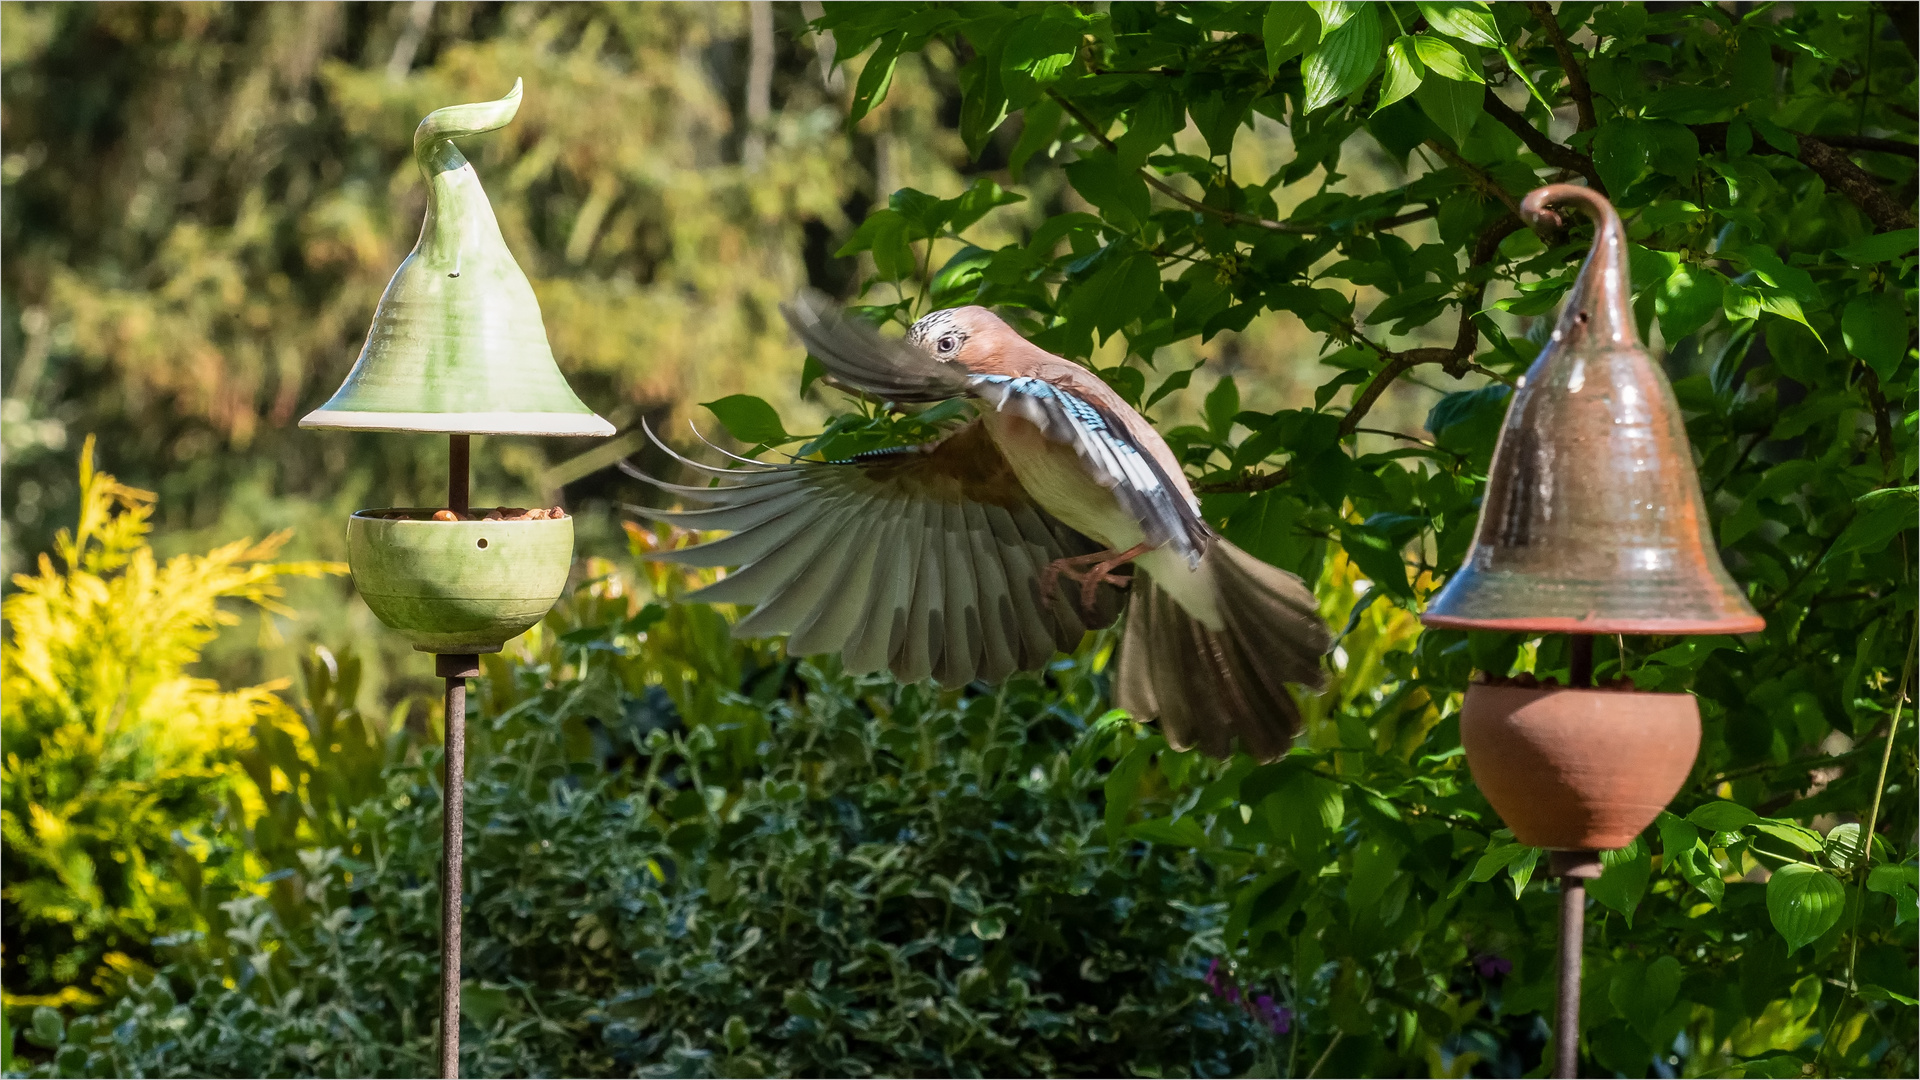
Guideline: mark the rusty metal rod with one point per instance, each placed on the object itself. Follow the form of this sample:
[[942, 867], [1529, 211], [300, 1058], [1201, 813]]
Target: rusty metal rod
[[1580, 660], [456, 668], [1574, 869], [459, 450]]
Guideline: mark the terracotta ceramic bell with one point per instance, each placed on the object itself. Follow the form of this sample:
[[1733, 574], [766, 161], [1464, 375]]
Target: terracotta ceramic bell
[[1593, 523], [1593, 520], [457, 344]]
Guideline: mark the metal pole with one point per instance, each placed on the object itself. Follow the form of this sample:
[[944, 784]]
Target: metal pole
[[1574, 869], [456, 668], [459, 448]]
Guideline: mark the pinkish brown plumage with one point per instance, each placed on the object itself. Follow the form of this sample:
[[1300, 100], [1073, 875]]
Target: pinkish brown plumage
[[892, 565]]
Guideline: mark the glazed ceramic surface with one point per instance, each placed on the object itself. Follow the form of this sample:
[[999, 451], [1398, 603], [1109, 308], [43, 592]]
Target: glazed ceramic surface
[[1593, 520], [458, 586], [457, 343], [1578, 769]]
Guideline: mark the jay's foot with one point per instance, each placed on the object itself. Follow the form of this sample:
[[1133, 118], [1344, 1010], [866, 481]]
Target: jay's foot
[[1091, 571]]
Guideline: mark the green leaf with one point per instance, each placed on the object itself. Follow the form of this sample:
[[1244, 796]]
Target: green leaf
[[1335, 13], [972, 205], [1119, 293], [923, 214], [1793, 833], [48, 1029], [1470, 22], [1378, 557], [1842, 848], [1122, 788], [1223, 404], [1404, 72], [1344, 59], [1120, 194], [1875, 328], [1453, 106], [1176, 381], [1687, 299], [1623, 879], [1880, 247], [1684, 850], [1184, 833], [875, 77], [1722, 816], [1288, 29], [1903, 884], [749, 419], [884, 233], [1644, 995], [1803, 902], [1881, 515], [1621, 152], [1444, 60]]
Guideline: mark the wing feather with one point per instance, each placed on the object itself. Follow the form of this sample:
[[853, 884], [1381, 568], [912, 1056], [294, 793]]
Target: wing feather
[[924, 560]]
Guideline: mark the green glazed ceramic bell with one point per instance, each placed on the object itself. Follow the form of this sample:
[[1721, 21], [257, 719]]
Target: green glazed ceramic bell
[[457, 344]]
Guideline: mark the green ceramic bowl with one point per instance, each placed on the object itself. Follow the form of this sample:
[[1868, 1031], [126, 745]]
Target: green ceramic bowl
[[458, 586]]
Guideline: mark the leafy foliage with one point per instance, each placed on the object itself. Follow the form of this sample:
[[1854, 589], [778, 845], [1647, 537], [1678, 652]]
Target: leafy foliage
[[1764, 161], [118, 759], [1773, 262], [900, 881]]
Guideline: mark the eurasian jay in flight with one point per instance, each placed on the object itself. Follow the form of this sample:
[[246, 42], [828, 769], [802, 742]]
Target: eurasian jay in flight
[[944, 560]]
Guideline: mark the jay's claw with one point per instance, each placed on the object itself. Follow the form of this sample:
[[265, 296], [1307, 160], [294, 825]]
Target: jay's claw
[[1099, 567]]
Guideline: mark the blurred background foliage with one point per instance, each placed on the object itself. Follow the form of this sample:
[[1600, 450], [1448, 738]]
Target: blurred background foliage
[[1312, 202], [204, 202]]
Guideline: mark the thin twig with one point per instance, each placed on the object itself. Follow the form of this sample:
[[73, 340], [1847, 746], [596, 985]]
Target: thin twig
[[1325, 1054], [1866, 841], [1577, 86]]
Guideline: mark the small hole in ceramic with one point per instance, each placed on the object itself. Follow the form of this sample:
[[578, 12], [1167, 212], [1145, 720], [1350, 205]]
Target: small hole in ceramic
[[481, 543]]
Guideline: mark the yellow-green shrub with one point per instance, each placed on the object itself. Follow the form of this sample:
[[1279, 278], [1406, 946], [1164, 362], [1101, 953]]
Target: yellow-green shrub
[[116, 757]]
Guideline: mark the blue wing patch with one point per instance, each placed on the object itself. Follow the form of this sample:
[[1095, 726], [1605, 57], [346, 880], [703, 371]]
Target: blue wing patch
[[1117, 462]]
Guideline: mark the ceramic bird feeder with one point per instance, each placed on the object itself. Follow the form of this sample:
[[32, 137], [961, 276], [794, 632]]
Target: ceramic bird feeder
[[1593, 523], [458, 348]]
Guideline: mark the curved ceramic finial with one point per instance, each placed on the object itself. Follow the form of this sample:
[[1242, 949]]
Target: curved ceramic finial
[[432, 145], [1599, 310]]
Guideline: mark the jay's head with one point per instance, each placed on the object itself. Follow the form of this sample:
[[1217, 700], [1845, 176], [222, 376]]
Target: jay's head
[[972, 337]]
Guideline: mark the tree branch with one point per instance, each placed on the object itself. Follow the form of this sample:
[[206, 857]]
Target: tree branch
[[1576, 74], [1816, 153], [1554, 154], [1871, 144], [1456, 361]]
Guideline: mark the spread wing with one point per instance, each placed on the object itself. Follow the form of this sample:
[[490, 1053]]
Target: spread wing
[[856, 354], [924, 561], [1164, 507]]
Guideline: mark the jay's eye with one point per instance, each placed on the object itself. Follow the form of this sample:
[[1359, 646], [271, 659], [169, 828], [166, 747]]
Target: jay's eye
[[947, 344]]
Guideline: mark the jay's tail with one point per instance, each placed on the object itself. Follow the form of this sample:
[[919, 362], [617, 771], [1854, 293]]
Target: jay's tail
[[1210, 687]]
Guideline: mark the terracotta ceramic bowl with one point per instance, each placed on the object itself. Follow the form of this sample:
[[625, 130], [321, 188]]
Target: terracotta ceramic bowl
[[458, 586], [1578, 769]]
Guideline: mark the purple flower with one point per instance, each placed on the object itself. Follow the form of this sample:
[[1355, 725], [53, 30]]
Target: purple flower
[[1279, 1019], [1213, 979], [1491, 966]]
